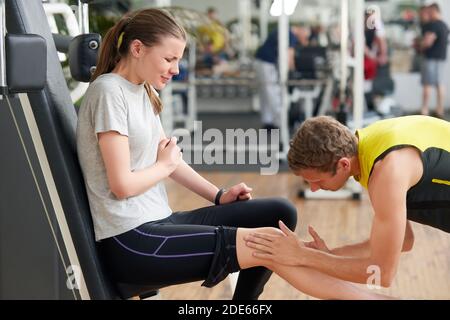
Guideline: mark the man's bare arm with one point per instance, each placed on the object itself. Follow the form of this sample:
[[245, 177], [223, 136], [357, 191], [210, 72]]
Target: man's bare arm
[[428, 40], [362, 249]]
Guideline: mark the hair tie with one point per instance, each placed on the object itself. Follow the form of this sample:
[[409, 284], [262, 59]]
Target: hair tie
[[119, 42]]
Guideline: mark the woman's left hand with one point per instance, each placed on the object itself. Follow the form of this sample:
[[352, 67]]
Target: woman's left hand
[[239, 192]]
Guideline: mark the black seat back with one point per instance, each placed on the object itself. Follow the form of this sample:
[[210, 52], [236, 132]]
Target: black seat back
[[47, 244]]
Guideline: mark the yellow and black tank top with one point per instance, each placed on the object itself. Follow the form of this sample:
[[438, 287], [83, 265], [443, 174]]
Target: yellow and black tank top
[[428, 202]]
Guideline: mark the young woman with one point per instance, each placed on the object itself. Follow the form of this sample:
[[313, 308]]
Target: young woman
[[125, 156]]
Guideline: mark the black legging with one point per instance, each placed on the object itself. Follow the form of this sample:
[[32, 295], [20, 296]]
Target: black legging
[[195, 245]]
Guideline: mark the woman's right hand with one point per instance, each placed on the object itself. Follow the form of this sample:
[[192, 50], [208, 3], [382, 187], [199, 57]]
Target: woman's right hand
[[169, 154]]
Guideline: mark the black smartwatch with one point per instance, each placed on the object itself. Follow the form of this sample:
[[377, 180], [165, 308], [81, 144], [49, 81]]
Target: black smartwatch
[[218, 195]]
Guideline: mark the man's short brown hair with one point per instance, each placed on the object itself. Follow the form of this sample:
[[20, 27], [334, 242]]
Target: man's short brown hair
[[319, 143], [434, 6]]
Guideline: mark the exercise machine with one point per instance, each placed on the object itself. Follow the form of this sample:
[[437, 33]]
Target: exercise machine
[[47, 245]]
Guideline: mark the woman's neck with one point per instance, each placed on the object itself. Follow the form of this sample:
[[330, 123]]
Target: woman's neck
[[125, 70]]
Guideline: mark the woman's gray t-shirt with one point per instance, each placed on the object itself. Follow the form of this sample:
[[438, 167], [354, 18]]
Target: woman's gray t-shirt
[[112, 103]]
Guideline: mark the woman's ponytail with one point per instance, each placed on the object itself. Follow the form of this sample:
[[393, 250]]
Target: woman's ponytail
[[110, 50]]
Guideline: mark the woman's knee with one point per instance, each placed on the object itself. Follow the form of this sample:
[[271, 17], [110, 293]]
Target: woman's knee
[[245, 254], [269, 230], [285, 211]]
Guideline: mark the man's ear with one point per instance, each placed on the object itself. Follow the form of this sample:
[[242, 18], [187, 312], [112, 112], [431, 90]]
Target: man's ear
[[345, 163], [137, 48]]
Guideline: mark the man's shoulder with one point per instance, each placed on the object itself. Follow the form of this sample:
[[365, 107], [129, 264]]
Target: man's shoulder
[[405, 163], [445, 27], [388, 163], [442, 23], [401, 156], [436, 26]]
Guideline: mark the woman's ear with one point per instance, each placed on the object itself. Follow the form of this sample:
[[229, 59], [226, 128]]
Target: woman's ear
[[137, 48]]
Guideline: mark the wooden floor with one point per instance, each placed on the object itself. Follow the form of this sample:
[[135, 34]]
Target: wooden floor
[[423, 273]]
